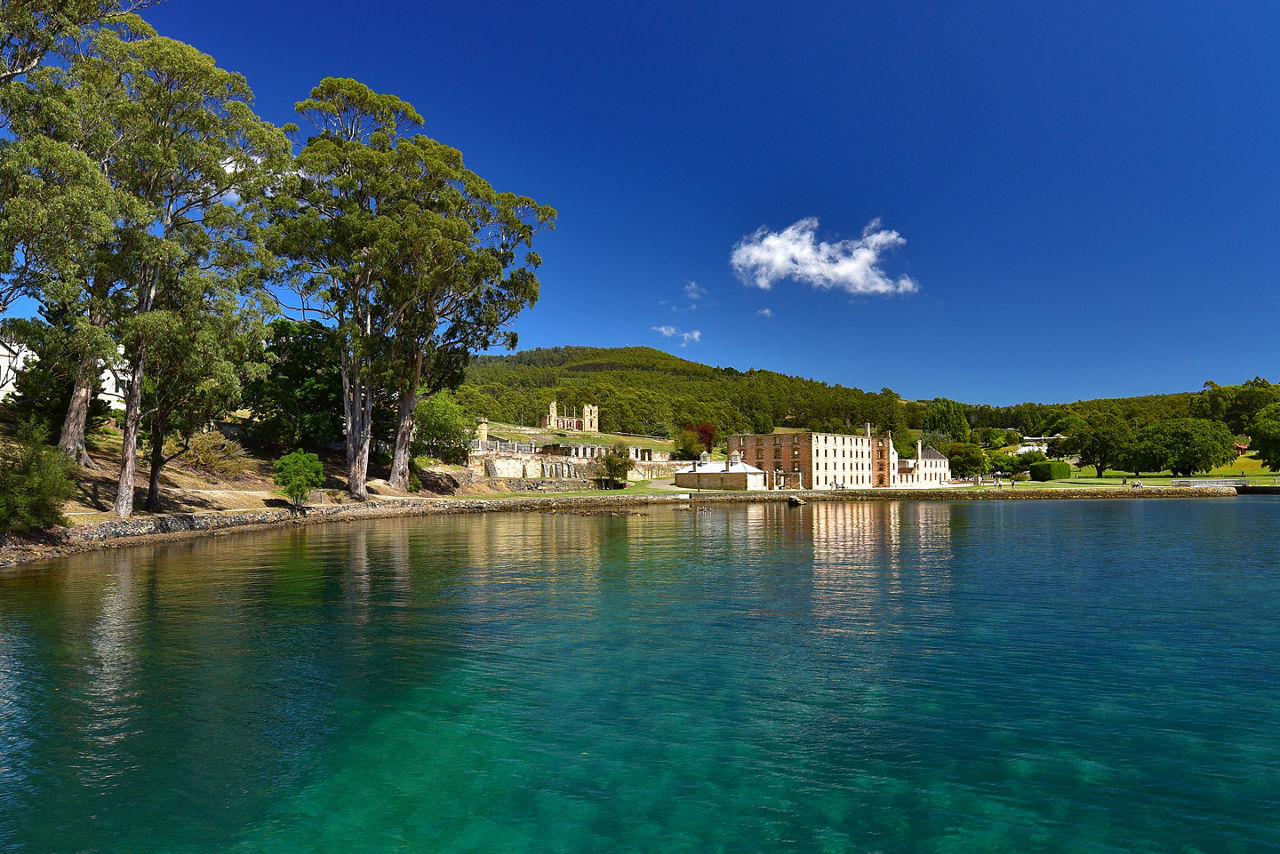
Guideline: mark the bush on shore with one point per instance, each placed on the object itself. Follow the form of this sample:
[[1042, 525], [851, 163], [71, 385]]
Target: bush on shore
[[35, 481], [297, 474]]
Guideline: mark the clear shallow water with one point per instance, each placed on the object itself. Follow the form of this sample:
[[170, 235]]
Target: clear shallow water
[[1020, 676]]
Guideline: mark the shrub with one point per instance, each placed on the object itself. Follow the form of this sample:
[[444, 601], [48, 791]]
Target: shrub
[[1050, 470], [35, 481], [617, 462], [687, 446], [213, 454], [297, 474]]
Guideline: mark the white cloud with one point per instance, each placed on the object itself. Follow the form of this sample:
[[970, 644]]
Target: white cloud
[[766, 257], [765, 312], [694, 292], [693, 335]]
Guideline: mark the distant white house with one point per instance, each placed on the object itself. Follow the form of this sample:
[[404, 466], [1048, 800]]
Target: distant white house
[[1037, 443], [14, 357], [732, 473]]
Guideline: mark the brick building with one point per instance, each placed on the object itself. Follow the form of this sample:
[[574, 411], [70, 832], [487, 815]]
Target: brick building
[[838, 461]]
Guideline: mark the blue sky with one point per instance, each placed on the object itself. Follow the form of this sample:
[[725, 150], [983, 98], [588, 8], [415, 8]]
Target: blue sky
[[992, 202]]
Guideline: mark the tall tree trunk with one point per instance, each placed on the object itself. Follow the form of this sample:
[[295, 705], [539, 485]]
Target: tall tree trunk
[[123, 508], [159, 425], [399, 478], [71, 440], [358, 474], [358, 405]]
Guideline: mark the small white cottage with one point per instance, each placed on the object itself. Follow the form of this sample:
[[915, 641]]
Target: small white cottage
[[732, 473]]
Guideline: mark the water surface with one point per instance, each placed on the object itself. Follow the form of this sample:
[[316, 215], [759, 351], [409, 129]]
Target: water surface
[[1056, 675]]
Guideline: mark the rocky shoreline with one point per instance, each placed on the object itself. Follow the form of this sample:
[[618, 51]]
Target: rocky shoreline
[[151, 529]]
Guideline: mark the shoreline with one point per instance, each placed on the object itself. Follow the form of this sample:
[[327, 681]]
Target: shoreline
[[102, 536]]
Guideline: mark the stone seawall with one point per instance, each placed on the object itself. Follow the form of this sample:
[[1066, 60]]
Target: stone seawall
[[121, 534]]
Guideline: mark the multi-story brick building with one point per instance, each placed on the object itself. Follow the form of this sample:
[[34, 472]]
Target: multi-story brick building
[[839, 461]]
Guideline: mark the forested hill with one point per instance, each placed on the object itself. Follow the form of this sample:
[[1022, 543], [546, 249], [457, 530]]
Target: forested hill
[[646, 391]]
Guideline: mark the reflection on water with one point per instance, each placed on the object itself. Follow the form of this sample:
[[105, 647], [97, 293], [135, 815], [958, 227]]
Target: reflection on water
[[890, 675]]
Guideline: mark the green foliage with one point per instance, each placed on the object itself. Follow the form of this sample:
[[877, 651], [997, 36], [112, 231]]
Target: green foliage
[[1187, 445], [414, 260], [948, 418], [297, 403], [1006, 463], [33, 28], [443, 431], [1147, 454], [1236, 406], [966, 459], [1264, 438], [1047, 470], [297, 474], [989, 437], [1029, 458], [1100, 440], [211, 454], [35, 481], [647, 392], [617, 462], [687, 446]]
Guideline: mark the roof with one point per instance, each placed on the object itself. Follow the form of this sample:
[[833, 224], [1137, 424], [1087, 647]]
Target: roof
[[931, 453], [721, 467]]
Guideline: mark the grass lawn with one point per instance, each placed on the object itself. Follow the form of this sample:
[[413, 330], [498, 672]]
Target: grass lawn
[[1247, 467]]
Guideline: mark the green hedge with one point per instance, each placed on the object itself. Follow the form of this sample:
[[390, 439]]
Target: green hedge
[[1050, 470]]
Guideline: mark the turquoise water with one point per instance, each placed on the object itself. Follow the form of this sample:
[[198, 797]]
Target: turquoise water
[[1060, 676]]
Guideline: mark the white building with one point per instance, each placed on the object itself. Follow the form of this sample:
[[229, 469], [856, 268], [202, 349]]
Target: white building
[[14, 357], [732, 473]]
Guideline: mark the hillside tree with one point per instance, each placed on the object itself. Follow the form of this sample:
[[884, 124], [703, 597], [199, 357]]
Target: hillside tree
[[1189, 445], [1100, 440], [1264, 438], [947, 417]]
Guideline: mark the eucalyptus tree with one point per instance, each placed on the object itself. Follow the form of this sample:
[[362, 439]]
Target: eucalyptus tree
[[60, 205], [187, 148], [332, 226], [409, 257], [204, 348], [464, 272], [51, 195], [31, 29]]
